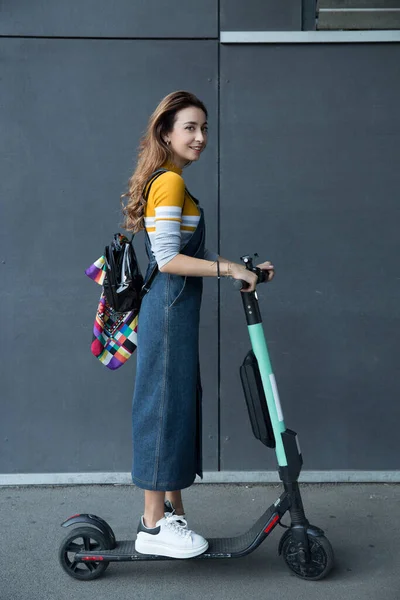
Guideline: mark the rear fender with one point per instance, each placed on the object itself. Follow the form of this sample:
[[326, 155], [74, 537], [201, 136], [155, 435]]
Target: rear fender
[[95, 521]]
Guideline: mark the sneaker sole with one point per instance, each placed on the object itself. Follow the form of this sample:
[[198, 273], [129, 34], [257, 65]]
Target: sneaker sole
[[148, 547]]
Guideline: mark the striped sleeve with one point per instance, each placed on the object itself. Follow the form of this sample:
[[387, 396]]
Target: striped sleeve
[[168, 196]]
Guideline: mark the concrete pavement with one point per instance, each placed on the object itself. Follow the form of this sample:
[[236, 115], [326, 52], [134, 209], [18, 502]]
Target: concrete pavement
[[362, 522]]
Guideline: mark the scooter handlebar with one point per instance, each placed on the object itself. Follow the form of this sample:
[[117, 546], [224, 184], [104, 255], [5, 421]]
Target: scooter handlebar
[[239, 284], [262, 276]]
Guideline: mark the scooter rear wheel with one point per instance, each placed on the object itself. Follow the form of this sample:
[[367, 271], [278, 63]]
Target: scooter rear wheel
[[79, 540], [321, 562]]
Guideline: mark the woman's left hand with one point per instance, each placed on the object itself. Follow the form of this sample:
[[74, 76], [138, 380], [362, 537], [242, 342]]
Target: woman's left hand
[[268, 266]]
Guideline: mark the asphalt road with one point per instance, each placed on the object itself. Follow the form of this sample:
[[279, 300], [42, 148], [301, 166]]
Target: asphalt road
[[361, 521]]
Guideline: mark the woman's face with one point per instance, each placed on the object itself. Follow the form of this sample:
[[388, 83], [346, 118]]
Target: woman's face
[[188, 137]]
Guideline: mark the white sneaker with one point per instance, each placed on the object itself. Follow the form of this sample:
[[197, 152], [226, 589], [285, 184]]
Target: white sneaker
[[170, 537]]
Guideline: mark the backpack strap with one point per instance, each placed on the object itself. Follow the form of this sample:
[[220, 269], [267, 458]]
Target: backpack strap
[[151, 180]]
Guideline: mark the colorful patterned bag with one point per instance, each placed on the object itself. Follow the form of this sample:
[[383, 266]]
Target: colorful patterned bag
[[114, 333]]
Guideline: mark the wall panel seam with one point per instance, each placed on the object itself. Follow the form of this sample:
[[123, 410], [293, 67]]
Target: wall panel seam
[[219, 239], [116, 38]]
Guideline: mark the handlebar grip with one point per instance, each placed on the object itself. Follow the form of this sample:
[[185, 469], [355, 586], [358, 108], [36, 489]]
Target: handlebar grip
[[262, 276], [239, 284]]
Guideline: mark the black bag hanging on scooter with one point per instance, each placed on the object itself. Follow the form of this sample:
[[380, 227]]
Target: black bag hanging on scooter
[[256, 402]]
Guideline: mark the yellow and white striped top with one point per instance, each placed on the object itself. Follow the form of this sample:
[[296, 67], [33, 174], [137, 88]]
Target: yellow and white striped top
[[171, 216]]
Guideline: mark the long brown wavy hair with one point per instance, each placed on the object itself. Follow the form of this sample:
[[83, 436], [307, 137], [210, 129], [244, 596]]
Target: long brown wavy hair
[[153, 153]]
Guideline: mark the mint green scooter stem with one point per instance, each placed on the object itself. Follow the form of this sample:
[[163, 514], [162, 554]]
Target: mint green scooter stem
[[260, 350]]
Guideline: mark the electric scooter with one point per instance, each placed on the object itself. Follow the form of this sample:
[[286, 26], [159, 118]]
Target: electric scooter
[[91, 545]]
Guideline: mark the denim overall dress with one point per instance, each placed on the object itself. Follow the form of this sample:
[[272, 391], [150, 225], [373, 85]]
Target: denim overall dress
[[166, 415]]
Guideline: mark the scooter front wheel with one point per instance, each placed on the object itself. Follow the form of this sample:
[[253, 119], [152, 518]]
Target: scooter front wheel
[[321, 559], [79, 540]]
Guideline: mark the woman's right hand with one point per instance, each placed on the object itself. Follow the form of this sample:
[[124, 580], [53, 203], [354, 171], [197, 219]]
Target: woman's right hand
[[238, 271]]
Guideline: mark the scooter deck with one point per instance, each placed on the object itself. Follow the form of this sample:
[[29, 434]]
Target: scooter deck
[[218, 547]]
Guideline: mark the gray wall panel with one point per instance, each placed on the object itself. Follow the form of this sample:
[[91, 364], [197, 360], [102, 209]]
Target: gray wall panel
[[253, 15], [73, 112], [310, 139], [101, 18]]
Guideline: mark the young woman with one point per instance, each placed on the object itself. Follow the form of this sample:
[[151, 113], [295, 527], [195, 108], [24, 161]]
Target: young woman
[[167, 399]]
